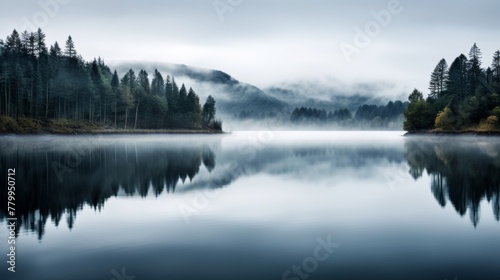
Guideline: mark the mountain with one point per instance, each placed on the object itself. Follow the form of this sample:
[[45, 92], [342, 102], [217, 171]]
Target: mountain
[[235, 99], [240, 104]]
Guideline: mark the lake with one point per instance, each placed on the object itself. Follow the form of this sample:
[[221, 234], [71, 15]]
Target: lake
[[253, 205]]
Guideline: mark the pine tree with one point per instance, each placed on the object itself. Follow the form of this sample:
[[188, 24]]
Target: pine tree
[[194, 108], [99, 87], [181, 104], [457, 85], [142, 91], [27, 43], [143, 82], [416, 95], [418, 116], [115, 84], [158, 84], [209, 111], [41, 48], [495, 66], [55, 50], [129, 85], [70, 48], [169, 95], [13, 43], [474, 70], [175, 97], [439, 79]]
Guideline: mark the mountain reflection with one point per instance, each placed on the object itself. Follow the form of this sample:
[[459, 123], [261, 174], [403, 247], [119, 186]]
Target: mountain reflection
[[55, 181], [463, 173]]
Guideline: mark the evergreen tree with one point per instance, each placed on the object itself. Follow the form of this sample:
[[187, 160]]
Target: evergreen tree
[[495, 66], [158, 84], [129, 84], [115, 87], [416, 95], [175, 98], [13, 43], [70, 50], [28, 44], [182, 100], [439, 79], [169, 95], [55, 50], [193, 108], [457, 84], [99, 87], [209, 111], [140, 93], [474, 70], [143, 82], [419, 115], [41, 48]]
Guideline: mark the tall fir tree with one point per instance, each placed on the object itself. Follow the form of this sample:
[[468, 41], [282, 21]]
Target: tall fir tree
[[158, 84], [458, 81], [495, 67], [70, 50], [439, 79], [193, 108], [41, 47], [474, 71], [209, 111], [13, 43], [182, 100], [115, 87]]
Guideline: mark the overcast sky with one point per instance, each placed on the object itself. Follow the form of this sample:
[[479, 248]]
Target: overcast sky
[[268, 42]]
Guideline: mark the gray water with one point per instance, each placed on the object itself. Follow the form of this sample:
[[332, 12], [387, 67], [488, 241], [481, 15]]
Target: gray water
[[253, 205]]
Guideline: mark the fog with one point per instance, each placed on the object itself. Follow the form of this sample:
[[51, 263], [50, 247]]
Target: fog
[[268, 43]]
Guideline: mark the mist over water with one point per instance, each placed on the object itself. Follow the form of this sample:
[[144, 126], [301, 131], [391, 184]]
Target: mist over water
[[251, 205]]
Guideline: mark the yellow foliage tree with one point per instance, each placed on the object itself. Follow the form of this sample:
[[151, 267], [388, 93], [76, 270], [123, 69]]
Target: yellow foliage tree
[[445, 119]]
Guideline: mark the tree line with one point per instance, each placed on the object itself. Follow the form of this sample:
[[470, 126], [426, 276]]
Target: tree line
[[463, 95], [384, 116], [44, 83]]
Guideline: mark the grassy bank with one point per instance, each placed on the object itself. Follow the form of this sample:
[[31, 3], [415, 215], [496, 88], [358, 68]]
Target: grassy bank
[[23, 125], [471, 131]]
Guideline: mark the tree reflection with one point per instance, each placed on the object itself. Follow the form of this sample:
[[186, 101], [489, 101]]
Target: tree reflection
[[55, 182], [462, 172]]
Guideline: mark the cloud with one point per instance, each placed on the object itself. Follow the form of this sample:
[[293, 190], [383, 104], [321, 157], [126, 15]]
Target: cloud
[[270, 42]]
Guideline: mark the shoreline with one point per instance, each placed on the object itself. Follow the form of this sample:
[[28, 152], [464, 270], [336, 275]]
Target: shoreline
[[27, 126], [115, 132], [452, 133]]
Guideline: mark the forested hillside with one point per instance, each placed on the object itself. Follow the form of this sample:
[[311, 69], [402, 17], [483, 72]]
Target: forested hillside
[[43, 82], [463, 96], [382, 117]]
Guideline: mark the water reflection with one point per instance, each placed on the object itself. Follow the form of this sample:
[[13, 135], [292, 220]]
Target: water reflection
[[58, 179], [462, 172]]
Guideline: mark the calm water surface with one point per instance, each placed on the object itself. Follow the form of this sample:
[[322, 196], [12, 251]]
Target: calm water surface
[[250, 205]]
